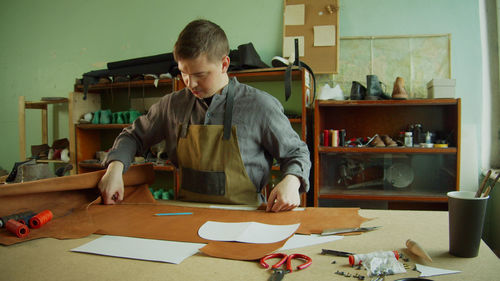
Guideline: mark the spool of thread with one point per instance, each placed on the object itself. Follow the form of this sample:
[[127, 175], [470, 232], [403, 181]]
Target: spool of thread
[[26, 218], [326, 138], [41, 219], [16, 216], [335, 138], [19, 229], [342, 138], [359, 258]]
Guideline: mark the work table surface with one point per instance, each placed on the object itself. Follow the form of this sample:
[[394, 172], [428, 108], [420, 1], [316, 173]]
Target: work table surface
[[51, 259]]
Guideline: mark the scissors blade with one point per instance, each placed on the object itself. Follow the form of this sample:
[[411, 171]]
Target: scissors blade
[[347, 230], [278, 275]]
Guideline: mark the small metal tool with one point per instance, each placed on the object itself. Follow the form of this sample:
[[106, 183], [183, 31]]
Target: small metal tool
[[335, 253], [347, 230]]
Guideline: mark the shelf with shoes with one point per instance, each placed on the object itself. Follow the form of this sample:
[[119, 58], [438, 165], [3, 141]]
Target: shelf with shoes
[[395, 175]]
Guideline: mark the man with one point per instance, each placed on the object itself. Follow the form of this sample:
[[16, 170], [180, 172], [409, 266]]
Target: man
[[221, 134]]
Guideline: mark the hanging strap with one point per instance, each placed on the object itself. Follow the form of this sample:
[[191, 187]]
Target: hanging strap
[[228, 114], [288, 73], [185, 122]]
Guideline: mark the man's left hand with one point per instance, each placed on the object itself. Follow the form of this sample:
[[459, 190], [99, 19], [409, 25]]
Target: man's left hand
[[285, 195]]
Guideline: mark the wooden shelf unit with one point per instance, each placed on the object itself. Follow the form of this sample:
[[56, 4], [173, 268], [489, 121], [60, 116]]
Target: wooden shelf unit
[[43, 106], [435, 170]]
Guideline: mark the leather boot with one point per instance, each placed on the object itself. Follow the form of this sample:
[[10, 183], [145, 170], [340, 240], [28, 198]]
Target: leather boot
[[358, 91], [399, 92], [374, 89]]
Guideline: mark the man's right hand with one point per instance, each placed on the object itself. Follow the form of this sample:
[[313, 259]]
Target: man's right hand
[[111, 184]]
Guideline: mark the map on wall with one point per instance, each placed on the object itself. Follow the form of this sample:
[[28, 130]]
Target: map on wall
[[417, 59]]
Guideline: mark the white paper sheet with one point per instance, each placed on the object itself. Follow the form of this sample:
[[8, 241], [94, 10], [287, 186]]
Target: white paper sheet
[[140, 249], [428, 271], [294, 14], [324, 35], [299, 241], [247, 232]]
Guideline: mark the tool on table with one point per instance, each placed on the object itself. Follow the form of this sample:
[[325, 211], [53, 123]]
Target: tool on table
[[347, 230], [358, 258], [16, 216], [481, 187], [490, 187], [415, 248], [336, 253], [173, 214], [279, 273]]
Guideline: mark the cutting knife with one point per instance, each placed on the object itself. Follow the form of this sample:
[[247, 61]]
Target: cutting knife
[[333, 231]]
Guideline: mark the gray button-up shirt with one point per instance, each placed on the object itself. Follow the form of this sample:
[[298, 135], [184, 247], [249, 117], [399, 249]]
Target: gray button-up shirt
[[263, 131]]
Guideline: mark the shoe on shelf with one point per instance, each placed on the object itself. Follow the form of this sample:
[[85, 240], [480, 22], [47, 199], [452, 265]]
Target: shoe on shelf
[[376, 141], [374, 89], [388, 141], [358, 91], [399, 92]]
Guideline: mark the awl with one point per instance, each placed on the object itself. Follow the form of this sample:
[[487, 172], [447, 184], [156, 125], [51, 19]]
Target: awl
[[347, 230]]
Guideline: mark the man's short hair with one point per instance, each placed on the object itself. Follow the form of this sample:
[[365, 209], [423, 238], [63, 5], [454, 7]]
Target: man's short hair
[[201, 37]]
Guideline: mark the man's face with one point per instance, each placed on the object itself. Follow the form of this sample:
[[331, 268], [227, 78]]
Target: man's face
[[203, 77]]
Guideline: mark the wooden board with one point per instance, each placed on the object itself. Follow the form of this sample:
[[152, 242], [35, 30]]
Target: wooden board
[[322, 59]]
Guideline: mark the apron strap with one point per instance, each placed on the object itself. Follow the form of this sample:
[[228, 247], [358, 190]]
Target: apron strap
[[185, 122], [228, 114]]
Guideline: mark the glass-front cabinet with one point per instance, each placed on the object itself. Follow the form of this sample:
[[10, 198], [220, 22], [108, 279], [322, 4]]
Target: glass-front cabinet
[[363, 159]]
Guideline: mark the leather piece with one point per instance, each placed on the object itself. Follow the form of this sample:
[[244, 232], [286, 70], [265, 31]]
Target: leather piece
[[77, 213], [240, 251]]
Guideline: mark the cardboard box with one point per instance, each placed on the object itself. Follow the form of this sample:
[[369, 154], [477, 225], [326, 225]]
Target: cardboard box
[[441, 88]]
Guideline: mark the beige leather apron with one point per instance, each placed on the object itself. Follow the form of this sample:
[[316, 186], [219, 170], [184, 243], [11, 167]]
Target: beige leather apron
[[211, 169]]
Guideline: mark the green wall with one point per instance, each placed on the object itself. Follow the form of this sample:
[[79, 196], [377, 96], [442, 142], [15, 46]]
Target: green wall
[[45, 45]]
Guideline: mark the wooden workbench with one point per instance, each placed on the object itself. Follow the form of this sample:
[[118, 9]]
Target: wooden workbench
[[51, 259]]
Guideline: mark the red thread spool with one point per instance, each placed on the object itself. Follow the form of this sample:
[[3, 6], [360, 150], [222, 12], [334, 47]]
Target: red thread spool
[[19, 229], [40, 219]]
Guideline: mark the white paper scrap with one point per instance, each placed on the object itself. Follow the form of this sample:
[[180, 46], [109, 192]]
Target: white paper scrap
[[294, 14], [140, 249], [324, 35], [428, 271], [247, 232], [299, 241]]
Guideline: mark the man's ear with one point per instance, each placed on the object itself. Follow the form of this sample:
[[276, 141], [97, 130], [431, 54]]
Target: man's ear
[[225, 64]]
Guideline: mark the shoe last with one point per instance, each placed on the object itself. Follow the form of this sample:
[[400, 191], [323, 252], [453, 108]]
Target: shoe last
[[388, 141], [399, 92]]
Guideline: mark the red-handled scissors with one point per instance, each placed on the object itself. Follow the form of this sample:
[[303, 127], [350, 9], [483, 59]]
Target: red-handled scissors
[[278, 273]]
